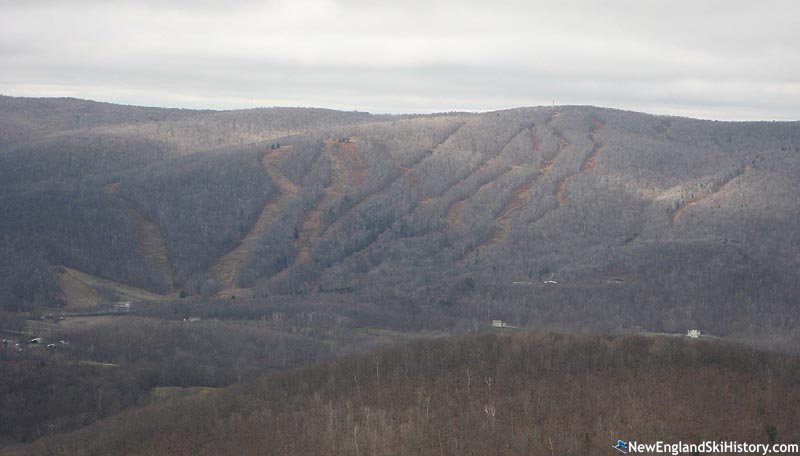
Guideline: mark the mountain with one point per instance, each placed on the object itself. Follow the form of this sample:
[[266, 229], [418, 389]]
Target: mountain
[[486, 394], [569, 217]]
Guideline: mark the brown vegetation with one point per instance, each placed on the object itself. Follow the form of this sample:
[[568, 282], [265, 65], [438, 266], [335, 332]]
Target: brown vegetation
[[85, 290], [346, 153], [546, 166], [588, 164], [227, 268], [410, 196], [521, 394], [151, 247], [560, 188], [715, 189], [591, 160], [342, 176], [519, 199], [329, 245], [150, 244], [455, 215]]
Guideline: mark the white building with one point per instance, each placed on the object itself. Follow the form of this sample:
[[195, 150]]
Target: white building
[[694, 333], [501, 324]]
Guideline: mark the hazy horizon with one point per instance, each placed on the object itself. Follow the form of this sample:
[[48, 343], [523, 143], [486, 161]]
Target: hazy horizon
[[200, 108], [710, 60]]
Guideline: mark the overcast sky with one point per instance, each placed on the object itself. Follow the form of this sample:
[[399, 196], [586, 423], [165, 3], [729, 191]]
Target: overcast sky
[[710, 59]]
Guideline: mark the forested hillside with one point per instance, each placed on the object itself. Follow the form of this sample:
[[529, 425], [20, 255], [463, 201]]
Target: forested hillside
[[476, 395], [554, 217]]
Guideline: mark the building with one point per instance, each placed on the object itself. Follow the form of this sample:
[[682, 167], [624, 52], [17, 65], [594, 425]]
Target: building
[[694, 333], [501, 324]]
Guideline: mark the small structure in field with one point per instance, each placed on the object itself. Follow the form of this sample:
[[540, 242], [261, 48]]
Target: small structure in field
[[694, 333], [122, 307], [550, 282], [501, 324]]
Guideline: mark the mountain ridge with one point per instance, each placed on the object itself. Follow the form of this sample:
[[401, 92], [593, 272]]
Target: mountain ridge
[[447, 209], [68, 99]]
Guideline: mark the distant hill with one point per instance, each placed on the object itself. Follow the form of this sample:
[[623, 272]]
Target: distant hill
[[487, 394], [644, 223]]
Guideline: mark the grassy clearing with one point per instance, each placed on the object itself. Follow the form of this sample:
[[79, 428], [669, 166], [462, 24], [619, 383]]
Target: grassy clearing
[[161, 393], [501, 330], [46, 329], [660, 334], [78, 294], [80, 289], [89, 362], [379, 332]]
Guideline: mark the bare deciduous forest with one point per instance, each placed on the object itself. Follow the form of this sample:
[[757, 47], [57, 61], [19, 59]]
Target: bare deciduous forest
[[489, 394], [163, 253]]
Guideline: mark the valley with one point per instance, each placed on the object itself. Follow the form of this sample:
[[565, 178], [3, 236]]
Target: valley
[[177, 265]]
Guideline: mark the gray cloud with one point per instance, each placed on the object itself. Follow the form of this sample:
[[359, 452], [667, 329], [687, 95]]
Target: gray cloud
[[714, 59]]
